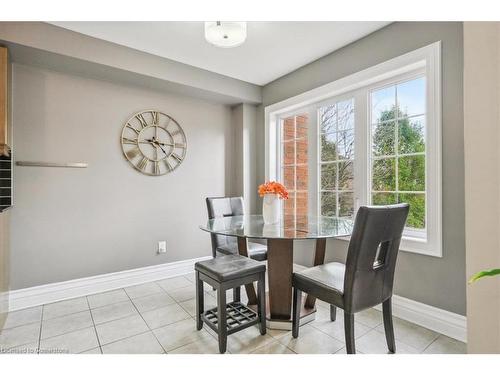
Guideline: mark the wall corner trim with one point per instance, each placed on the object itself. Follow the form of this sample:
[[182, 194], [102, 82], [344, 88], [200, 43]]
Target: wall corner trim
[[48, 293]]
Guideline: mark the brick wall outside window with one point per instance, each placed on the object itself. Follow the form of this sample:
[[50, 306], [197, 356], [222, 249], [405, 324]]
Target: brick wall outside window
[[294, 168]]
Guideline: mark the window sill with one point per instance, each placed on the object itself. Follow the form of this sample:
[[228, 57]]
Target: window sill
[[406, 246]]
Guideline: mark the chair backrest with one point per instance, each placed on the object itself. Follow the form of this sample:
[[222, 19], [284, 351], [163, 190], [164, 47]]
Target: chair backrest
[[371, 258], [222, 207]]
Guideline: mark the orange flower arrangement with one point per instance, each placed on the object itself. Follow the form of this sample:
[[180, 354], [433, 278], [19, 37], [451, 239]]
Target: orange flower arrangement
[[273, 187]]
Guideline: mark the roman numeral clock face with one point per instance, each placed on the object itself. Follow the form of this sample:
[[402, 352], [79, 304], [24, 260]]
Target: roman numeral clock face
[[153, 142]]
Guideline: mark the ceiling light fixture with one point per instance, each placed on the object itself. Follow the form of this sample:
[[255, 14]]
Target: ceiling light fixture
[[226, 34]]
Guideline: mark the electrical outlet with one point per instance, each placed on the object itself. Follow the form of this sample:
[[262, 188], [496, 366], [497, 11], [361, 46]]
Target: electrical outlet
[[162, 247]]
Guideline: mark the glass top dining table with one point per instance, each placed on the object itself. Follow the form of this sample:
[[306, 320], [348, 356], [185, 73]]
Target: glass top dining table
[[280, 242], [289, 227]]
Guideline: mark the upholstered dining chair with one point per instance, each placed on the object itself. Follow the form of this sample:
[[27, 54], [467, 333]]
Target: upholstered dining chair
[[366, 279], [231, 206]]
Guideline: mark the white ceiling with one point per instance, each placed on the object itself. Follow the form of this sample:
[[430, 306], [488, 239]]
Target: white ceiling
[[272, 49]]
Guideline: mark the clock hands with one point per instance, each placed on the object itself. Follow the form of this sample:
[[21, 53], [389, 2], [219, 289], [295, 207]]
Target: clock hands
[[162, 149], [155, 143], [163, 144], [156, 136]]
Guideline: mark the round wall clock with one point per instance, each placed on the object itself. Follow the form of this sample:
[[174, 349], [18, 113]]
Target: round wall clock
[[153, 142]]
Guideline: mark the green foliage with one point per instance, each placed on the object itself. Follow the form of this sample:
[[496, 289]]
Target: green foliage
[[411, 169], [383, 138], [416, 216], [328, 149], [480, 275], [384, 198]]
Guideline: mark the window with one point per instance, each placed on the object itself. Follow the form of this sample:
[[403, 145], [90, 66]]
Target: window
[[397, 114], [294, 164], [336, 167], [370, 138]]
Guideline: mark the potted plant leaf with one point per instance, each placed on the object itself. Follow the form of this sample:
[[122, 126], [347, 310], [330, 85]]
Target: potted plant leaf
[[480, 275]]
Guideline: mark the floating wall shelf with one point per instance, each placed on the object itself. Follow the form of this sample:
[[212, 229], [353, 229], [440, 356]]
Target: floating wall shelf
[[53, 165]]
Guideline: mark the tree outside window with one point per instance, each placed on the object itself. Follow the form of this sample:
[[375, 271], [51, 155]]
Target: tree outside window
[[398, 148]]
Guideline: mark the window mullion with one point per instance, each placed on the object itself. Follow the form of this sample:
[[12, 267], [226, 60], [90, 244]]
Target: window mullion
[[396, 144], [295, 166], [361, 150], [312, 162]]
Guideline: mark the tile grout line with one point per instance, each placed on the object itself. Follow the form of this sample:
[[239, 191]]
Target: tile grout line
[[79, 329], [40, 333], [128, 337], [192, 342], [179, 303], [279, 342], [59, 316], [144, 320], [145, 295], [317, 329], [166, 291], [371, 329], [93, 324], [356, 338], [432, 342], [140, 333], [79, 312], [128, 316]]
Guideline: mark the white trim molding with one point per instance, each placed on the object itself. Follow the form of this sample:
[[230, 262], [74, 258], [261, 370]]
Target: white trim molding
[[441, 321], [48, 293], [422, 62]]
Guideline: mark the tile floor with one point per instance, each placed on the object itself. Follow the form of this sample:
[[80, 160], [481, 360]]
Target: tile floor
[[157, 317]]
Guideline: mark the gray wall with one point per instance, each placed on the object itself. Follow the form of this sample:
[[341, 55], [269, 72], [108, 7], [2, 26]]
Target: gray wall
[[238, 175], [244, 183], [438, 282], [4, 265], [71, 223]]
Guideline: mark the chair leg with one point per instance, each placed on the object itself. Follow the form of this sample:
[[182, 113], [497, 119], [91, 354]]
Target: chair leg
[[349, 333], [297, 300], [214, 254], [388, 327], [221, 319], [237, 294], [333, 313], [199, 301], [261, 298]]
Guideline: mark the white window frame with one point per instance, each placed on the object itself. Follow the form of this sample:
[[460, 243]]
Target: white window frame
[[426, 60], [357, 188]]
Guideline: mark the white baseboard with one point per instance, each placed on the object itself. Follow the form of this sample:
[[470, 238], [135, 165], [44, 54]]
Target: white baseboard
[[442, 321], [48, 293]]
